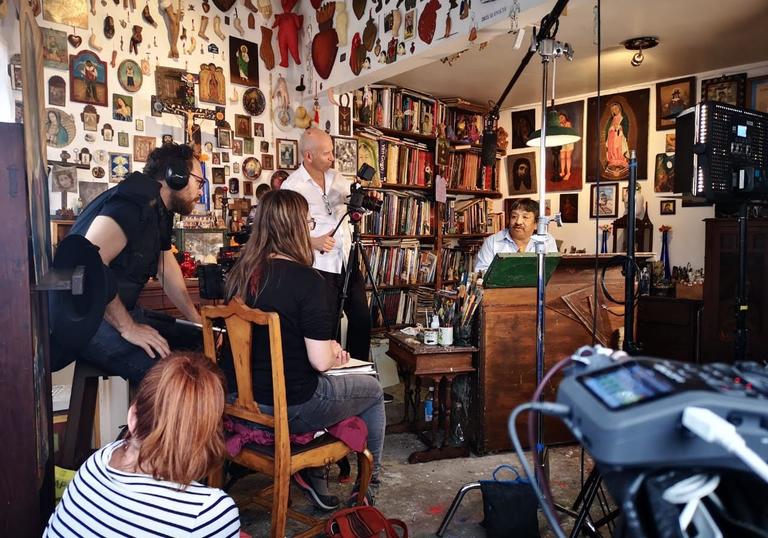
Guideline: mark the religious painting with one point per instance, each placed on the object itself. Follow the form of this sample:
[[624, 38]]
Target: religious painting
[[54, 48], [212, 85], [14, 67], [223, 137], [90, 190], [224, 156], [672, 97], [243, 62], [122, 139], [669, 143], [167, 139], [63, 178], [66, 12], [107, 132], [287, 153], [409, 24], [217, 173], [129, 75], [523, 124], [237, 147], [267, 161], [87, 79], [242, 126], [170, 85], [215, 157], [603, 200], [90, 118], [122, 107], [59, 128], [254, 101], [57, 91], [264, 145], [622, 123], [248, 146], [18, 111], [564, 163], [119, 166], [368, 153], [277, 179], [667, 207], [569, 208], [155, 107], [142, 147], [252, 168], [664, 173], [345, 154], [139, 124], [258, 130], [521, 173], [728, 89], [247, 188], [757, 94], [235, 168]]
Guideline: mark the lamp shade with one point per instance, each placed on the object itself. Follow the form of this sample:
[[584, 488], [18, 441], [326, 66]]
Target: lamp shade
[[557, 135]]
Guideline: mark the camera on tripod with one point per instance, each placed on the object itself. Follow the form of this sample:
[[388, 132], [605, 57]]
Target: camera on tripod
[[361, 199]]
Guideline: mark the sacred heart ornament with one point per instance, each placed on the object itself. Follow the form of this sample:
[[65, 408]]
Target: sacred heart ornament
[[316, 3], [369, 33], [428, 21], [74, 40], [325, 44], [358, 7], [356, 54], [224, 5]]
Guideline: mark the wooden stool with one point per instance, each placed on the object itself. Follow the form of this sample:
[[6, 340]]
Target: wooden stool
[[82, 411]]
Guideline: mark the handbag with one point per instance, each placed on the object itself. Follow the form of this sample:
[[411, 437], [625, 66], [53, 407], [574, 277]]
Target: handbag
[[363, 522], [509, 506]]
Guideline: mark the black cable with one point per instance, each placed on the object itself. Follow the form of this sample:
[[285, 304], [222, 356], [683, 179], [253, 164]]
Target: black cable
[[597, 173], [617, 260]]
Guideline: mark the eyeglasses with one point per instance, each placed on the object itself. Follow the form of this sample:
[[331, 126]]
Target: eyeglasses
[[327, 204], [200, 179], [311, 224]]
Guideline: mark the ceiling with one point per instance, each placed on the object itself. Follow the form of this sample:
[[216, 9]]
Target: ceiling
[[694, 35]]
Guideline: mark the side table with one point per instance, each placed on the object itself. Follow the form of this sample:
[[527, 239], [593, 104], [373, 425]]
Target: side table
[[435, 363]]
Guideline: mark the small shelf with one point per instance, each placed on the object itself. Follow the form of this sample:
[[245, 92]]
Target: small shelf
[[475, 192], [467, 236], [378, 236], [396, 133]]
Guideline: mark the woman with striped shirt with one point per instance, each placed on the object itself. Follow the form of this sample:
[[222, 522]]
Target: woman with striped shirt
[[145, 484]]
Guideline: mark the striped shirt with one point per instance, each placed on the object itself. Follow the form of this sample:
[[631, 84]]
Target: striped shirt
[[101, 501]]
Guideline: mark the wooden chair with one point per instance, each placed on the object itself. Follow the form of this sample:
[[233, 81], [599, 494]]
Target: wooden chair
[[282, 460]]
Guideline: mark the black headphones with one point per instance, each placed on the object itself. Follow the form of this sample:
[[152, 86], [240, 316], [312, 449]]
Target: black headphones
[[177, 175]]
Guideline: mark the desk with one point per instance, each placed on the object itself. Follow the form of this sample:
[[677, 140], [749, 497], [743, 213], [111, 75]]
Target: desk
[[438, 364]]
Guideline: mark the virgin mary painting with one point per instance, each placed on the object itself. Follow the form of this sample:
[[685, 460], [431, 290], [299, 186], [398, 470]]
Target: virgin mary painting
[[616, 147]]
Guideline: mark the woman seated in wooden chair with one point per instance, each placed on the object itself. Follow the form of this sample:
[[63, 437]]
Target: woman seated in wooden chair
[[275, 274], [145, 484]]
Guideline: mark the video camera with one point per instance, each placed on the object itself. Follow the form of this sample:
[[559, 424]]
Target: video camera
[[360, 199]]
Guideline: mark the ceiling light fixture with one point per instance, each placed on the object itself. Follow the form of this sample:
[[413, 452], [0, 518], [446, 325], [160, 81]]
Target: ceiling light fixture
[[639, 44]]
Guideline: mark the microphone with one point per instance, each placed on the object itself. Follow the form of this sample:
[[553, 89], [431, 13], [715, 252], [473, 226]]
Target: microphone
[[488, 157]]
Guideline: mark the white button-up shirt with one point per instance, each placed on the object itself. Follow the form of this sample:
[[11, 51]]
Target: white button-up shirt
[[337, 192], [502, 242]]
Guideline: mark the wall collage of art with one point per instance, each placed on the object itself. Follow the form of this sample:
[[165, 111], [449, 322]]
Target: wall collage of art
[[240, 77]]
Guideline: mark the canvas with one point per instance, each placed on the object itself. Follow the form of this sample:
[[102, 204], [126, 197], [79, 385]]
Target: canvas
[[54, 48], [287, 153], [212, 85], [523, 124], [87, 79], [243, 62], [521, 173], [564, 163], [345, 154]]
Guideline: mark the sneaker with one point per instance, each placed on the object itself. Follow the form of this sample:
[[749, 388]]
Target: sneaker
[[388, 398], [305, 481], [352, 501]]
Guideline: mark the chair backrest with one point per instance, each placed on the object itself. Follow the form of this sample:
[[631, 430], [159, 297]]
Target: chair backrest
[[239, 320]]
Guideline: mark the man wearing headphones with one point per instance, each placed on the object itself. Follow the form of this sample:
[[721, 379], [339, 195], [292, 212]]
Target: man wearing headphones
[[131, 224]]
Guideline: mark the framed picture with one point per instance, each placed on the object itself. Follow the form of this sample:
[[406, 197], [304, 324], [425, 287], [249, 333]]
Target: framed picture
[[119, 166], [201, 243], [63, 178], [667, 207], [623, 125], [672, 97], [54, 48], [729, 89], [142, 147], [59, 128], [569, 208], [235, 168], [87, 79], [258, 130], [248, 146], [170, 85], [155, 107], [224, 156], [664, 173], [368, 153], [122, 107], [345, 154], [243, 62], [267, 161], [107, 132], [237, 147], [139, 124], [523, 124], [212, 85], [223, 137], [215, 157], [217, 173], [89, 190], [122, 139], [521, 173], [287, 153], [129, 75], [90, 118], [227, 171], [247, 188], [14, 67], [564, 163], [409, 24], [604, 203], [264, 145], [242, 126], [669, 143], [66, 12], [57, 91], [757, 93]]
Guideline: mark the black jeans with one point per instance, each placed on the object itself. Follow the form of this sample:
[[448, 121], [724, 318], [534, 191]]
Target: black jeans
[[356, 309]]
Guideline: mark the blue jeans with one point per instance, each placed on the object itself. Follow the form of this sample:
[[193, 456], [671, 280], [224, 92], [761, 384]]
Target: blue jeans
[[340, 397]]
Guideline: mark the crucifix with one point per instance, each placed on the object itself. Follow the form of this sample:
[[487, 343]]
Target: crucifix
[[190, 114]]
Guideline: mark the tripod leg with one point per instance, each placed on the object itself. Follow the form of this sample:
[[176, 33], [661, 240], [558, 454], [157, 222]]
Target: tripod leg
[[340, 312], [369, 276]]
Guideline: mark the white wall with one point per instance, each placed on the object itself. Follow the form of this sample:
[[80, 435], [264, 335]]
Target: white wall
[[9, 45], [687, 235]]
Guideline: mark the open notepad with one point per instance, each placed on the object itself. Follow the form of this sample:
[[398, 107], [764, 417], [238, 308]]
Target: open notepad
[[353, 367]]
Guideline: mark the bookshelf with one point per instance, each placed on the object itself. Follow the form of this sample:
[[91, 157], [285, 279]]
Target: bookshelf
[[417, 244]]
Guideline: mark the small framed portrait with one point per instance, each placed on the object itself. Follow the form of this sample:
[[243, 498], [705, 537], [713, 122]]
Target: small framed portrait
[[215, 157], [264, 145], [757, 94], [217, 175], [672, 97], [129, 75], [15, 72], [602, 201], [243, 62], [248, 146], [235, 168], [667, 207], [267, 161], [224, 137], [409, 25], [247, 188], [227, 170], [258, 129], [729, 89], [90, 117], [287, 153], [521, 173], [345, 154], [242, 126], [107, 132], [87, 79], [63, 178], [142, 147], [54, 48], [167, 139], [224, 156], [139, 125], [523, 122], [119, 166], [569, 208], [122, 139], [237, 147], [122, 107], [57, 91]]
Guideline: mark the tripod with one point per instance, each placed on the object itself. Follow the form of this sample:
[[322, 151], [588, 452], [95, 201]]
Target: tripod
[[356, 252]]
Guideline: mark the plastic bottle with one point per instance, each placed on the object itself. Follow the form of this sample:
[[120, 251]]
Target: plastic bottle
[[430, 335], [429, 405]]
